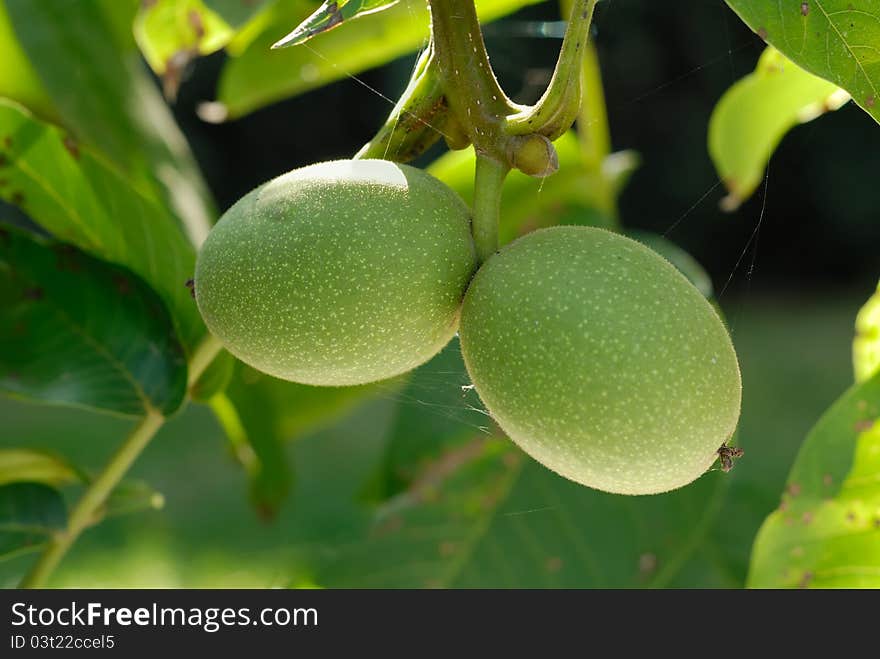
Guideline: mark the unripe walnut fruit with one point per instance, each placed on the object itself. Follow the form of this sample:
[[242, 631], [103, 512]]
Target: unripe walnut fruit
[[339, 273], [601, 360]]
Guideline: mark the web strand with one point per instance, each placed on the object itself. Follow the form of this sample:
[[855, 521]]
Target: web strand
[[752, 239]]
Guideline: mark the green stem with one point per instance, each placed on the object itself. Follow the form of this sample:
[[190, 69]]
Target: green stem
[[86, 510], [488, 184], [557, 109], [472, 91], [228, 418], [202, 357]]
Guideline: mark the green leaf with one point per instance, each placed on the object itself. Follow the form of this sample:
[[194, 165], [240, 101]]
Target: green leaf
[[755, 113], [468, 509], [833, 39], [686, 264], [76, 196], [258, 77], [78, 331], [113, 105], [826, 532], [329, 15], [418, 119], [18, 80], [567, 197], [171, 33], [27, 465], [260, 414], [29, 514], [238, 13], [866, 345]]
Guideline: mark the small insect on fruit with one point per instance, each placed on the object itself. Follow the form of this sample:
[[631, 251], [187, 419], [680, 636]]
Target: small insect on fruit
[[339, 273], [601, 360], [726, 456]]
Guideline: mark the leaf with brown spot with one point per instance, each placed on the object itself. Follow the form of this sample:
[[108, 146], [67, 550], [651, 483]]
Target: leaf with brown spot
[[330, 15], [171, 33], [839, 546], [83, 343], [866, 344], [833, 39], [113, 106], [71, 146], [87, 203]]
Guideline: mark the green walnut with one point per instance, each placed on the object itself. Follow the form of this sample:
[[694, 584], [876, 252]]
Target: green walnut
[[339, 273], [601, 360]]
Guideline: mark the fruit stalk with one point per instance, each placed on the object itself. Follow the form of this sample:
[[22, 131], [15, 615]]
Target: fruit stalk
[[488, 183], [474, 95], [88, 507], [557, 109]]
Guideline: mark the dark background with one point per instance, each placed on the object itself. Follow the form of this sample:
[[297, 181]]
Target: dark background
[[665, 65]]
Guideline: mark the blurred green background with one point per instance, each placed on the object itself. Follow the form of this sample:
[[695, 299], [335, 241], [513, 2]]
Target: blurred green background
[[794, 351], [790, 304]]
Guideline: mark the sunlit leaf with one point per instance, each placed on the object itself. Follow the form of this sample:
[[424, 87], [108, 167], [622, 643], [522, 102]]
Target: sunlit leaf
[[866, 345], [78, 331], [74, 195], [18, 80], [754, 115], [826, 531], [29, 514], [238, 13], [258, 77], [329, 15], [19, 465], [834, 39], [87, 60], [171, 33]]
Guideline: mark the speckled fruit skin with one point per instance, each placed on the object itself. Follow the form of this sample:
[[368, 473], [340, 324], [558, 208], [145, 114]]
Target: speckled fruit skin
[[601, 360], [339, 273]]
